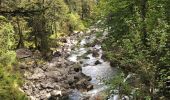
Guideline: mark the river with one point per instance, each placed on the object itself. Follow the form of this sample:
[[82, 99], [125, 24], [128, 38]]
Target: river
[[93, 66]]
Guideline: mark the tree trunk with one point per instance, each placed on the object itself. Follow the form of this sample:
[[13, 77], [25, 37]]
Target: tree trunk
[[21, 41], [0, 3], [143, 15]]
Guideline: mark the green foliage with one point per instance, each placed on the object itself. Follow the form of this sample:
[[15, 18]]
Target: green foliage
[[9, 88], [138, 40], [36, 22], [98, 34], [6, 42], [117, 83], [56, 15], [75, 21], [9, 80]]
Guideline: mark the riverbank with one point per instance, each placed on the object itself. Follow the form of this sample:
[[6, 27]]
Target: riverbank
[[75, 72], [52, 79]]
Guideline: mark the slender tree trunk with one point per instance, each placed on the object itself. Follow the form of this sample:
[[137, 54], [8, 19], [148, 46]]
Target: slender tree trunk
[[0, 3], [143, 15], [36, 42], [21, 41], [43, 33], [82, 9]]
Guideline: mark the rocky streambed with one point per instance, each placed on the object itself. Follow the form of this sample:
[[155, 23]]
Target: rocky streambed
[[90, 56], [76, 71]]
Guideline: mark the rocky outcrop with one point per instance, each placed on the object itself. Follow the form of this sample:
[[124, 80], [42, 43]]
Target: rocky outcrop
[[53, 79]]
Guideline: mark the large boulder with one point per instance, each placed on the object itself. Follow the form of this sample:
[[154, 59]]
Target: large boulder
[[53, 74], [23, 53]]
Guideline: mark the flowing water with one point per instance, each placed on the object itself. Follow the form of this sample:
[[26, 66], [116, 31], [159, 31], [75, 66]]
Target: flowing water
[[98, 72]]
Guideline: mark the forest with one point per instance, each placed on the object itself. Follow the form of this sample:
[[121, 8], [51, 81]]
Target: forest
[[84, 49]]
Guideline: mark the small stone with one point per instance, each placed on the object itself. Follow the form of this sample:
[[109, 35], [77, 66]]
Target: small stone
[[89, 87], [82, 84], [97, 62], [76, 77], [70, 81], [64, 40], [81, 62], [53, 74], [77, 67], [48, 95], [37, 76], [56, 93], [81, 81], [25, 87], [29, 92], [57, 54], [95, 53], [88, 78], [85, 65], [112, 64], [23, 66], [104, 57], [86, 57]]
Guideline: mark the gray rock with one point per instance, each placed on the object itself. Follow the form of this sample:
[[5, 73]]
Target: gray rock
[[104, 57], [77, 77], [23, 53], [48, 85], [48, 95], [57, 54], [82, 84], [53, 74], [43, 95], [88, 78], [37, 76], [81, 62], [89, 87], [38, 86], [95, 53], [97, 62], [85, 65], [29, 92], [23, 66], [56, 93], [77, 67], [25, 87], [86, 57], [70, 81]]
